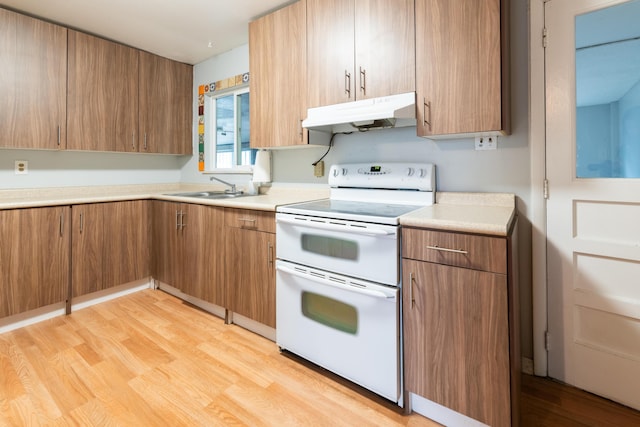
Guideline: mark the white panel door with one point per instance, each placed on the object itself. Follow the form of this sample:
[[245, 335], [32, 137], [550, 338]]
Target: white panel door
[[593, 210]]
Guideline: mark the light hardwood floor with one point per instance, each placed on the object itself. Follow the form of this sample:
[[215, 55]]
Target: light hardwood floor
[[148, 359]]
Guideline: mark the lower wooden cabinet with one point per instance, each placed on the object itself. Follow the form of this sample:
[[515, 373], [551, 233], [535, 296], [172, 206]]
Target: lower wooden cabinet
[[34, 258], [110, 245], [250, 264], [188, 251], [460, 333]]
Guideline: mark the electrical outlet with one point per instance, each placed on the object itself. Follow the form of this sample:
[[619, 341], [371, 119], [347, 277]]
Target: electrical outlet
[[22, 167], [318, 169], [486, 142]]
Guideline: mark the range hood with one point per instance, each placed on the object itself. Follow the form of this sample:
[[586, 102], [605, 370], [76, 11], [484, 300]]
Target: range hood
[[375, 113]]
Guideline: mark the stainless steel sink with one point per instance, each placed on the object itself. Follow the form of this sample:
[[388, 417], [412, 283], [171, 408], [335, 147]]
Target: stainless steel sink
[[209, 194]]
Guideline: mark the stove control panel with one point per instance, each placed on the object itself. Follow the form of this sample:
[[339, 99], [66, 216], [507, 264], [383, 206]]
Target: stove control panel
[[396, 176]]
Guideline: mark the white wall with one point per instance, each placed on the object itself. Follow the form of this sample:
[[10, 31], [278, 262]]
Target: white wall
[[228, 64], [76, 168]]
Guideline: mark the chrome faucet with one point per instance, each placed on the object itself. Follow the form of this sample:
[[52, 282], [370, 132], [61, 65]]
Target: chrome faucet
[[232, 187]]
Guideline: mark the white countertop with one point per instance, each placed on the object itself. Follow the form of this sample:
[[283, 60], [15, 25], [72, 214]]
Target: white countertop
[[268, 200], [483, 213]]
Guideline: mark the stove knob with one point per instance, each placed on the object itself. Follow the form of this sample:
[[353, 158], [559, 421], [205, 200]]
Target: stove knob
[[409, 171], [344, 171], [336, 172], [423, 173]]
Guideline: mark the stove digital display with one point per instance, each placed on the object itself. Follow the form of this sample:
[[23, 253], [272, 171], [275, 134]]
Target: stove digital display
[[375, 169]]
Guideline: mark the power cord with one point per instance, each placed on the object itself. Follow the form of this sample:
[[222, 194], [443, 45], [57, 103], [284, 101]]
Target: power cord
[[330, 145]]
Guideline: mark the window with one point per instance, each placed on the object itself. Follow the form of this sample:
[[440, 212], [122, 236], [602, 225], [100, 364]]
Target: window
[[228, 131]]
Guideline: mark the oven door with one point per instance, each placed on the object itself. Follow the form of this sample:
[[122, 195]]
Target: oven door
[[347, 326], [362, 250]]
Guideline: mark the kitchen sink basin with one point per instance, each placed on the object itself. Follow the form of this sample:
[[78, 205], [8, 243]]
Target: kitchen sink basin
[[209, 194]]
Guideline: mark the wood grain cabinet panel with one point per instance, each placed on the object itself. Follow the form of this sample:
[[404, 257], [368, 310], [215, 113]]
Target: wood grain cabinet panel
[[188, 249], [456, 335], [458, 249], [277, 62], [462, 82], [359, 49], [102, 95], [165, 105], [34, 258], [33, 81], [460, 322], [250, 264], [110, 245]]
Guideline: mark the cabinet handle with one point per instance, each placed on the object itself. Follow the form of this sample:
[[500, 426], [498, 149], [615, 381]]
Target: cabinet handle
[[81, 222], [347, 83], [145, 141], [427, 106], [301, 130], [363, 81], [269, 254], [61, 224], [182, 224], [177, 220], [133, 141], [59, 135], [411, 298], [251, 220], [455, 251]]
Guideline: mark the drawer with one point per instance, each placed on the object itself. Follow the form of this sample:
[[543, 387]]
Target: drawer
[[457, 249], [250, 219]]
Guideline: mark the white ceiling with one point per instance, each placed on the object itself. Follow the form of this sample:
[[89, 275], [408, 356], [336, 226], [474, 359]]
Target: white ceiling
[[176, 29]]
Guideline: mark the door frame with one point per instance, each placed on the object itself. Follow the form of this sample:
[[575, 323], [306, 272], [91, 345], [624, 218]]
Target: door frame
[[537, 141]]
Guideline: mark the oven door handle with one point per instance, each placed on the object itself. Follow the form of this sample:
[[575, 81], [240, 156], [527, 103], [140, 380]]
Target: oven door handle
[[322, 281], [335, 227]]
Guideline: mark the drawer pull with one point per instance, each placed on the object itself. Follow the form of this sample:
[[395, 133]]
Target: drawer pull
[[247, 220], [455, 251], [411, 297]]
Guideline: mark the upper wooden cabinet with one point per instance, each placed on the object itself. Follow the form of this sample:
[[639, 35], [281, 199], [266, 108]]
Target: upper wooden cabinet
[[461, 67], [277, 63], [165, 105], [33, 64], [102, 95], [359, 49]]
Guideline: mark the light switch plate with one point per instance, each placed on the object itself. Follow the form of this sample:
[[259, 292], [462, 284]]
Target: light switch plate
[[486, 142], [21, 167], [318, 169]]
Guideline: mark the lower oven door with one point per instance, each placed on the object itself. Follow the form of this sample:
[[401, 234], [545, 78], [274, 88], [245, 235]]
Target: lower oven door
[[363, 250], [347, 326]]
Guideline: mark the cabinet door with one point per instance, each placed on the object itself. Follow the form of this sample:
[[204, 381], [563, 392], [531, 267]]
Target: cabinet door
[[34, 258], [102, 95], [458, 66], [384, 48], [126, 242], [277, 62], [456, 339], [330, 52], [166, 107], [203, 262], [250, 274], [167, 252], [87, 249], [33, 81]]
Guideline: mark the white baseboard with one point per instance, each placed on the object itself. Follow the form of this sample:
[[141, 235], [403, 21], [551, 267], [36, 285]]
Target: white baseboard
[[441, 414]]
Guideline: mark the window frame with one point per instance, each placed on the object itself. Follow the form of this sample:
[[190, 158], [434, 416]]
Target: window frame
[[210, 132]]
